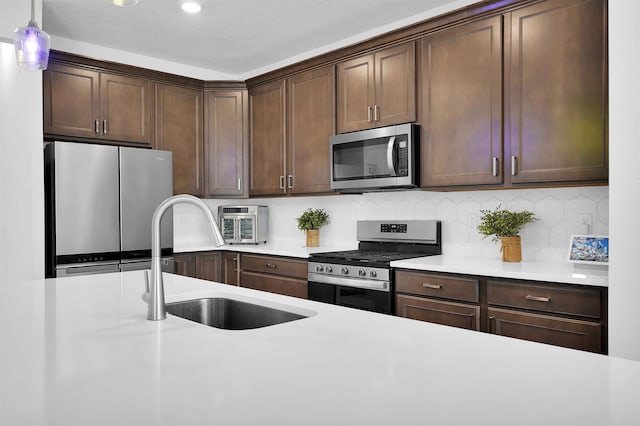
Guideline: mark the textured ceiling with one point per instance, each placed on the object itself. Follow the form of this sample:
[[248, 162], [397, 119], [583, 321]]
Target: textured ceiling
[[237, 37]]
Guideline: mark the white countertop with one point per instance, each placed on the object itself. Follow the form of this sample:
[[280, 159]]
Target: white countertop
[[275, 249], [494, 267], [79, 351]]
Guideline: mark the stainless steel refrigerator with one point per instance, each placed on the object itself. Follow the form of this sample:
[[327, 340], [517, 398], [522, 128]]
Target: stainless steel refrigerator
[[99, 201]]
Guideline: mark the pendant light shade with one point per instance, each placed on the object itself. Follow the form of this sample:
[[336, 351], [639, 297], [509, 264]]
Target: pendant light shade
[[32, 45]]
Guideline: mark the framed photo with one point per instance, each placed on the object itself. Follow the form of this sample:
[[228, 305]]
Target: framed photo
[[589, 249]]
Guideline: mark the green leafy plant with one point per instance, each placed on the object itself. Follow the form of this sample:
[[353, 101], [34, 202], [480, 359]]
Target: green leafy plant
[[503, 223], [312, 219]]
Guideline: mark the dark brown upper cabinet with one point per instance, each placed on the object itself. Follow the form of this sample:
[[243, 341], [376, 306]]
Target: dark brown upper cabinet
[[267, 112], [460, 108], [377, 89], [226, 145], [310, 123], [82, 103], [291, 122], [556, 59], [179, 115]]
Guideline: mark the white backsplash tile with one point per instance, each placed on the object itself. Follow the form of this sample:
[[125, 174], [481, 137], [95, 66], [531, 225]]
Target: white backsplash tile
[[558, 211]]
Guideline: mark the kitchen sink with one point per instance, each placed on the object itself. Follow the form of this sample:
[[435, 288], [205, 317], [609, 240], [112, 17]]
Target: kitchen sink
[[230, 314]]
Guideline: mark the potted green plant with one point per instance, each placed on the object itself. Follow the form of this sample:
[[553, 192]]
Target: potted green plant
[[310, 221], [505, 225]]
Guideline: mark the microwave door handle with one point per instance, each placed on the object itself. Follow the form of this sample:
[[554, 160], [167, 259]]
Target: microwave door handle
[[390, 159]]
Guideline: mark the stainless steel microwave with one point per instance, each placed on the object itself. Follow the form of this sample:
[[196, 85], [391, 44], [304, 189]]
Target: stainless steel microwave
[[244, 224], [375, 159]]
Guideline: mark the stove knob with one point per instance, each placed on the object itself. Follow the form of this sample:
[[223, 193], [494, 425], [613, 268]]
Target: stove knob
[[373, 274], [345, 271], [328, 268], [319, 268], [362, 272]]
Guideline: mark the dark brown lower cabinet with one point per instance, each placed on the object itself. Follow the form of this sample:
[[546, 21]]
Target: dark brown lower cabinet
[[274, 274], [231, 268], [460, 315], [206, 265], [185, 264], [570, 333], [274, 284], [569, 315], [209, 266]]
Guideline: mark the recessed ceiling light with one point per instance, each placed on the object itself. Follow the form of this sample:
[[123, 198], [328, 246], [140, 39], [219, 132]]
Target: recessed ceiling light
[[191, 7], [123, 2]]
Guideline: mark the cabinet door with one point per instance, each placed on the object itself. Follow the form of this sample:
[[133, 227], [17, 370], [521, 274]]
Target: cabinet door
[[71, 101], [208, 266], [395, 85], [267, 103], [185, 264], [231, 268], [459, 315], [125, 105], [569, 333], [558, 91], [460, 103], [179, 130], [274, 284], [226, 143], [355, 91], [311, 111]]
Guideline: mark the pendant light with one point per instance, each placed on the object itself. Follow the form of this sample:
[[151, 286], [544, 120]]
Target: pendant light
[[32, 44]]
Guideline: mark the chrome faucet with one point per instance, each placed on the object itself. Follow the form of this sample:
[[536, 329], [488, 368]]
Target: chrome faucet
[[156, 289]]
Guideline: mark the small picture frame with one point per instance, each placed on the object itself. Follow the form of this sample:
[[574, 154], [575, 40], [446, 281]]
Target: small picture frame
[[589, 249]]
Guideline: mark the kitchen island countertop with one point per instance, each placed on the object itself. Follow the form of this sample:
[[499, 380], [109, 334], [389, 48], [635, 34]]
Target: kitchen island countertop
[[79, 351]]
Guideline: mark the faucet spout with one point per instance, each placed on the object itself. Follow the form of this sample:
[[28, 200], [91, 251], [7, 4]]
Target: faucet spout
[[156, 289]]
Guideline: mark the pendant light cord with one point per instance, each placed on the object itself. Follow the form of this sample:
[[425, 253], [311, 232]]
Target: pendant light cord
[[33, 11]]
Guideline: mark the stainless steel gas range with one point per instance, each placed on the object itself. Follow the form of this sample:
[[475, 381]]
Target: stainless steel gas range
[[363, 278]]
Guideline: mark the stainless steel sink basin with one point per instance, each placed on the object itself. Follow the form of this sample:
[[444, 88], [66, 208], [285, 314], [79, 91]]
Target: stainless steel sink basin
[[229, 314]]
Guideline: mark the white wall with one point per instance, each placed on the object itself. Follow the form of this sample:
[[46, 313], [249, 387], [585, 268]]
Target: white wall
[[21, 169], [624, 178]]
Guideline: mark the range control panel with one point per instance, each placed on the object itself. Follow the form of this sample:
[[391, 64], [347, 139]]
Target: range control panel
[[394, 227]]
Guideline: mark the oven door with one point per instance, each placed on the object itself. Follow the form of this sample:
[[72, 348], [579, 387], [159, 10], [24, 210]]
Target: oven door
[[368, 299]]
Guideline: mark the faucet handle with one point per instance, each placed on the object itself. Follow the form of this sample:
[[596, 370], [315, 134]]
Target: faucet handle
[[145, 295]]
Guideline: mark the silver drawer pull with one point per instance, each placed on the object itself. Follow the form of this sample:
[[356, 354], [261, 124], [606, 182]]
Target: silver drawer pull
[[428, 285], [538, 299], [270, 265]]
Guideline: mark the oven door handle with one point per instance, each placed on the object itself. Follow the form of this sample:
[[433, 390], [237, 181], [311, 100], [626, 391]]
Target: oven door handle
[[350, 282]]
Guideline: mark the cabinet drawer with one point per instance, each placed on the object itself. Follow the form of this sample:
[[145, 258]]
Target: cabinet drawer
[[569, 333], [274, 284], [446, 313], [274, 265], [456, 288], [556, 299]]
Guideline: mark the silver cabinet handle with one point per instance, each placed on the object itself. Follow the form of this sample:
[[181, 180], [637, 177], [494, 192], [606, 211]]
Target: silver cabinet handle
[[96, 126], [239, 184], [538, 299], [513, 165], [369, 114], [375, 113], [434, 286], [104, 126], [290, 181], [282, 182], [494, 166], [270, 265]]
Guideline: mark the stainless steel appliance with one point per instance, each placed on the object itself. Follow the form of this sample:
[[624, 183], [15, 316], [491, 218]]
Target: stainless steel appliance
[[99, 202], [244, 224], [375, 159], [363, 278]]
